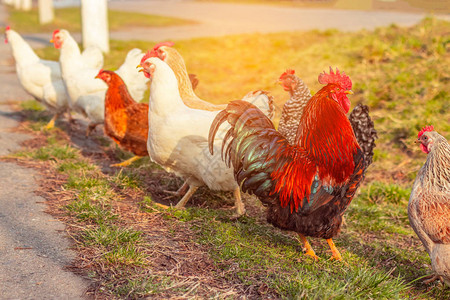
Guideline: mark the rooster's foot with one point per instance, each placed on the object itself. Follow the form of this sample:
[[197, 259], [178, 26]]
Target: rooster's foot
[[336, 255], [312, 254], [307, 247]]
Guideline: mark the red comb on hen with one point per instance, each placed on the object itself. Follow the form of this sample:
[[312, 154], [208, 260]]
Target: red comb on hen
[[337, 78], [153, 53], [425, 129], [288, 72], [146, 56], [55, 33], [7, 28]]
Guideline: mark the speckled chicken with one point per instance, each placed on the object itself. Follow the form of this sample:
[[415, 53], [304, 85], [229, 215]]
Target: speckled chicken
[[429, 203]]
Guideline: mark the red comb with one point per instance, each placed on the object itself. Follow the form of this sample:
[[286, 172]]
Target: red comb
[[425, 129], [288, 72], [7, 28], [336, 78], [169, 44], [55, 32], [146, 56], [99, 72]]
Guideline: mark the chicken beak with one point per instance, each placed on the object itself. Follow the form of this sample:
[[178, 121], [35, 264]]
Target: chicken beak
[[52, 41], [416, 141], [141, 68], [350, 92]]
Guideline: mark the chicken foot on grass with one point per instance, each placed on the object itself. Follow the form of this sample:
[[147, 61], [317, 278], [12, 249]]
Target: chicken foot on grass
[[186, 197], [336, 255], [307, 247], [51, 124], [127, 162]]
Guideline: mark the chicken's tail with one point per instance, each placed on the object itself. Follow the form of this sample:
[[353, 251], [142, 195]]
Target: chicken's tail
[[262, 100], [364, 130]]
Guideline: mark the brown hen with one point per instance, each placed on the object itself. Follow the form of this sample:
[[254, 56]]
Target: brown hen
[[126, 121]]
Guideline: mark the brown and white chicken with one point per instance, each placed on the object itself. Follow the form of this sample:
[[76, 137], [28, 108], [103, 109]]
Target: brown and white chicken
[[167, 53], [195, 105], [429, 203]]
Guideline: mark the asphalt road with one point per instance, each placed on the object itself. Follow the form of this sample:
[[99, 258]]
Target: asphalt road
[[33, 252], [218, 19]]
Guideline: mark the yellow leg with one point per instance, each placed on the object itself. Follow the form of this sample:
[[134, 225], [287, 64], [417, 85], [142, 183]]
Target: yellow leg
[[334, 250], [186, 197], [240, 208], [161, 205], [307, 247], [51, 124], [127, 162]]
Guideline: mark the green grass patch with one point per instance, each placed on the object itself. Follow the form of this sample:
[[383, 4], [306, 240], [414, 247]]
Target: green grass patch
[[70, 19]]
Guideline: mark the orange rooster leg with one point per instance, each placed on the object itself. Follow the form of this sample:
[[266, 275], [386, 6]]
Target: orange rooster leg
[[334, 250], [307, 247], [127, 162]]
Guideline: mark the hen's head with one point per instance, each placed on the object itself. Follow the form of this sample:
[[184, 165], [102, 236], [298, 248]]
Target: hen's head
[[287, 80], [58, 38], [7, 29], [106, 76], [158, 50], [340, 85], [147, 67], [426, 138]]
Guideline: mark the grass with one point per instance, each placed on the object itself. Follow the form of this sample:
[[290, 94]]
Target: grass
[[70, 19], [134, 249]]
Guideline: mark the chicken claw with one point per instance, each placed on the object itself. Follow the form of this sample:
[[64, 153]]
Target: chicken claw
[[307, 247]]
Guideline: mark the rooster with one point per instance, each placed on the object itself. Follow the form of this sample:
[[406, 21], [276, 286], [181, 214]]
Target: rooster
[[40, 78], [307, 186], [429, 203], [87, 94], [126, 121], [178, 136], [359, 118]]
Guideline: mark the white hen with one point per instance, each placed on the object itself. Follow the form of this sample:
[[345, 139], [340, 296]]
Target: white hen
[[40, 78], [178, 136], [87, 93]]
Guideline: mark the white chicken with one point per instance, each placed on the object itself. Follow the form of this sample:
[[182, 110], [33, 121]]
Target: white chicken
[[178, 136], [40, 78], [86, 93]]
